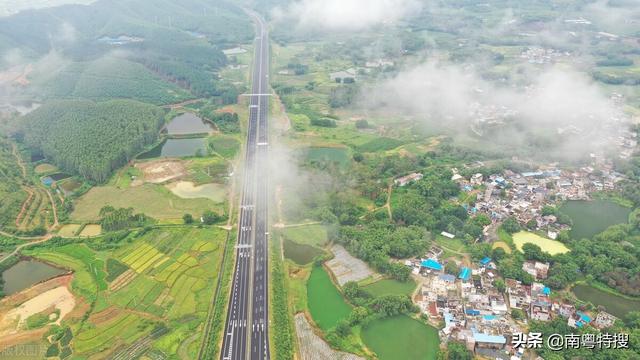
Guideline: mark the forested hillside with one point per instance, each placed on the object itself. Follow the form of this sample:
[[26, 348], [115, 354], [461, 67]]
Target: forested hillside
[[12, 195], [92, 139], [179, 42]]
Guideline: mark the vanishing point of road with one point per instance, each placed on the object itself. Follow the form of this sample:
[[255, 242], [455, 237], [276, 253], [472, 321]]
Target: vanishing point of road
[[246, 331]]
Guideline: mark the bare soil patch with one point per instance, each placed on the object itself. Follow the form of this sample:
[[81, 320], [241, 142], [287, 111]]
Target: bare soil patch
[[313, 347], [347, 268], [161, 171]]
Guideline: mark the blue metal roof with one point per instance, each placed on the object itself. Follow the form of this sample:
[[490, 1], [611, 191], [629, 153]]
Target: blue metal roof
[[584, 317], [485, 261], [431, 264], [546, 290], [465, 273], [486, 338], [472, 312]]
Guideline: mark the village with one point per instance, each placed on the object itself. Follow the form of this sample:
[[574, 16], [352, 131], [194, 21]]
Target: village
[[482, 316], [468, 306]]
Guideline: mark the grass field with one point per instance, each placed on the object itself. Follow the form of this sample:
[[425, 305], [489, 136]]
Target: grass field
[[161, 278], [69, 230], [153, 200], [328, 154], [551, 246], [224, 145], [314, 235], [45, 168], [91, 230]]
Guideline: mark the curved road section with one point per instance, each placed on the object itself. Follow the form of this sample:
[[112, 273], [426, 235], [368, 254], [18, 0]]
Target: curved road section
[[246, 334]]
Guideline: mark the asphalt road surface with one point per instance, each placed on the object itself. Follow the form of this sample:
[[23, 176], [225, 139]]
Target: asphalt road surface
[[246, 333]]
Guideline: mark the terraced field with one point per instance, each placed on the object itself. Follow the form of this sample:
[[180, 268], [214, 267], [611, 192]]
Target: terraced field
[[160, 287]]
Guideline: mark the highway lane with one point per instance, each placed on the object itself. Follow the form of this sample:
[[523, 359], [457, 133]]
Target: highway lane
[[247, 315], [260, 310]]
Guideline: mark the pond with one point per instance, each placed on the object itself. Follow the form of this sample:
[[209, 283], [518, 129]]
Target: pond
[[325, 302], [26, 273], [593, 217], [176, 148], [188, 190], [401, 337], [551, 246], [614, 304], [301, 254], [188, 123], [328, 154]]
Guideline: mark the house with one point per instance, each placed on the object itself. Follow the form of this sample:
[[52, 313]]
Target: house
[[447, 278], [447, 235], [566, 310], [465, 274], [578, 320], [488, 341], [604, 320], [378, 63], [431, 264], [519, 297], [402, 181], [476, 179], [537, 269], [346, 76], [540, 310]]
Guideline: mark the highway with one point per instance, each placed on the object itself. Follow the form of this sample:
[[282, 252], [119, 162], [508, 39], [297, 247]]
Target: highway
[[246, 332]]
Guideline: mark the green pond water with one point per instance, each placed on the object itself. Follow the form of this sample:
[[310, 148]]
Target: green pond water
[[616, 305], [330, 154], [592, 217], [26, 273], [401, 337], [188, 123], [176, 148], [325, 302], [301, 254]]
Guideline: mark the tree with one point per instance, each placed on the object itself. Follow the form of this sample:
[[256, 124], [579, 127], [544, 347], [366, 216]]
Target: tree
[[500, 285], [210, 218], [457, 351], [187, 218], [498, 253], [343, 329], [517, 314], [532, 252], [532, 224], [451, 268], [511, 225], [362, 124]]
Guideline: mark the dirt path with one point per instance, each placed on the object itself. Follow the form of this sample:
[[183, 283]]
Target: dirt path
[[55, 211], [14, 150], [181, 104], [388, 204], [20, 247]]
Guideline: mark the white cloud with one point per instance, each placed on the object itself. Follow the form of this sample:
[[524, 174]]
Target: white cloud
[[346, 15], [454, 97]]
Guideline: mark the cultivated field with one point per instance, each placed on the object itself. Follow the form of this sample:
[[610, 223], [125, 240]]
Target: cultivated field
[[151, 293], [150, 199]]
